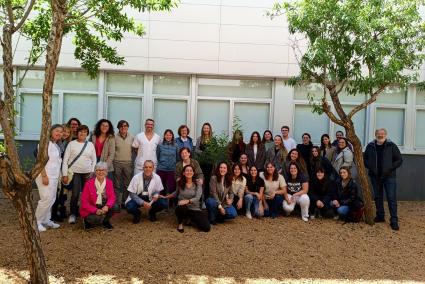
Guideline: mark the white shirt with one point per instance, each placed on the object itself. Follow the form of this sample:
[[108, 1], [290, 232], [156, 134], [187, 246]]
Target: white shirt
[[146, 149], [289, 144], [255, 151], [85, 163], [53, 166], [271, 187], [136, 185]]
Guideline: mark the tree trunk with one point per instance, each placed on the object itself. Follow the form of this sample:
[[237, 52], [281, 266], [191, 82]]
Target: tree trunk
[[21, 198], [362, 175]]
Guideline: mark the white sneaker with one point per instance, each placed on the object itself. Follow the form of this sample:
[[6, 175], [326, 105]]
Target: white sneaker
[[248, 215], [41, 228], [51, 224], [312, 217], [305, 219], [72, 219]]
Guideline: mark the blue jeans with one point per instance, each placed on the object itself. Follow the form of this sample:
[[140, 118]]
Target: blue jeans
[[274, 205], [252, 203], [343, 211], [213, 214], [133, 208], [390, 186]]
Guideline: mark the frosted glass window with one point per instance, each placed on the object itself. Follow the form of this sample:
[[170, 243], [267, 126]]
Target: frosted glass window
[[76, 81], [235, 88], [393, 121], [359, 120], [30, 112], [64, 80], [125, 83], [81, 106], [214, 112], [253, 117], [420, 98], [129, 109], [316, 90], [420, 128], [307, 121], [392, 95], [171, 85], [169, 114]]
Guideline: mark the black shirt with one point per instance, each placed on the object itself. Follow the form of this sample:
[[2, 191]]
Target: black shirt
[[296, 185], [379, 158], [254, 186]]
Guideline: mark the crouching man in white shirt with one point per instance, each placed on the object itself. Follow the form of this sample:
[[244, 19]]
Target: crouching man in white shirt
[[144, 190]]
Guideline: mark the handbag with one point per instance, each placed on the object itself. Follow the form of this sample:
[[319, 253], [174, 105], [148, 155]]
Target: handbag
[[70, 172]]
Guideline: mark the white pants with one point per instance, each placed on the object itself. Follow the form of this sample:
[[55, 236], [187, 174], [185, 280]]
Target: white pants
[[302, 200], [47, 198]]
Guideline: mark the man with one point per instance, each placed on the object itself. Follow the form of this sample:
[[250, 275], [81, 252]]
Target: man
[[123, 165], [288, 141], [144, 190], [146, 143], [382, 157], [339, 134]]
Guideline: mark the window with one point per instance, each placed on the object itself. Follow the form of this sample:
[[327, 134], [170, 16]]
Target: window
[[169, 114], [253, 117], [312, 123], [235, 88], [359, 120], [171, 85], [30, 112], [214, 112], [81, 106], [124, 83], [420, 120]]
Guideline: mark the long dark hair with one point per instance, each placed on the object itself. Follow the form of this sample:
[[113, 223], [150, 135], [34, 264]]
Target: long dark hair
[[251, 142], [298, 171], [182, 182], [264, 136], [275, 174], [249, 173], [240, 176], [228, 178], [97, 131], [322, 145], [203, 138], [172, 138], [300, 161]]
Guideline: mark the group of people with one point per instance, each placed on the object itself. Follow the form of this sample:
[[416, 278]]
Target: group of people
[[266, 177]]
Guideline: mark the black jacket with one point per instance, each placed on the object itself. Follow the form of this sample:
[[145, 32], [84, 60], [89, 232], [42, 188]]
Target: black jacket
[[323, 190], [391, 159], [349, 195], [324, 163]]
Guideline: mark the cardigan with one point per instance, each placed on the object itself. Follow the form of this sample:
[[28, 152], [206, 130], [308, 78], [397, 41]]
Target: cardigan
[[89, 197]]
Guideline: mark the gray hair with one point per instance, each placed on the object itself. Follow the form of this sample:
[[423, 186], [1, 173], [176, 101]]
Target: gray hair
[[101, 166]]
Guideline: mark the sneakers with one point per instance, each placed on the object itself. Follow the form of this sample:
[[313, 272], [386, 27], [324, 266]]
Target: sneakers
[[248, 215], [41, 228], [72, 219], [51, 224], [305, 219]]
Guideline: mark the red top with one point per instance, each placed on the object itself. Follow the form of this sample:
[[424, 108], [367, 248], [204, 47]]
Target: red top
[[98, 146]]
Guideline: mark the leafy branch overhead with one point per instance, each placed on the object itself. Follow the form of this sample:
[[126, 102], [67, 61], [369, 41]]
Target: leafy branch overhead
[[93, 25]]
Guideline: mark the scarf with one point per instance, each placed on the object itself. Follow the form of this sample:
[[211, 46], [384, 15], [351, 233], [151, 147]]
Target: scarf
[[100, 190]]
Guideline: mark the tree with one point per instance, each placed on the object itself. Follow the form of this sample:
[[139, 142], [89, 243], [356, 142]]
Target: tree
[[93, 24], [356, 47]]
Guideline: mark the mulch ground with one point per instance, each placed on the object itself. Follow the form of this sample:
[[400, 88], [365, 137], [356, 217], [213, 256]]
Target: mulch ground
[[238, 251]]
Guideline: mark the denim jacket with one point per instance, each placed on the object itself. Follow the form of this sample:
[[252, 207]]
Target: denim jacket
[[166, 154]]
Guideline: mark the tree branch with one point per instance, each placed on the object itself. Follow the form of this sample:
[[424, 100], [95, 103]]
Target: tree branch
[[25, 16], [329, 113], [372, 99], [10, 14]]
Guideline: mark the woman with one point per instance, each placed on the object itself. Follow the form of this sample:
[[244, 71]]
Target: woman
[[219, 205], [295, 157], [347, 201], [243, 163], [322, 190], [184, 140], [238, 186], [98, 199], [305, 148], [343, 155], [277, 154], [256, 151], [236, 147], [326, 147], [73, 123], [186, 159], [296, 194], [167, 154], [58, 208], [267, 139], [205, 162], [79, 159], [318, 161], [254, 191], [104, 143], [47, 181], [274, 188], [189, 195]]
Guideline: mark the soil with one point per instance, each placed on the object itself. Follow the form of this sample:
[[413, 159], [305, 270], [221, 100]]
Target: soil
[[249, 251]]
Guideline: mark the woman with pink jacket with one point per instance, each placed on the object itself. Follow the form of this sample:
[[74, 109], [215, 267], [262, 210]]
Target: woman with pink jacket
[[97, 199]]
